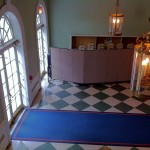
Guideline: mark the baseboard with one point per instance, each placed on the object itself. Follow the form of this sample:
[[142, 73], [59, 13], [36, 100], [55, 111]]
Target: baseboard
[[4, 135], [35, 86]]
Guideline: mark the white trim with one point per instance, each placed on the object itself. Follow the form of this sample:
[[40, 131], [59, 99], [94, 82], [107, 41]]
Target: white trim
[[35, 80], [4, 126], [2, 102], [8, 45], [94, 35], [44, 22], [41, 2], [40, 26]]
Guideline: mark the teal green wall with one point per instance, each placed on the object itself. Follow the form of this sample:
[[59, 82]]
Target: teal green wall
[[90, 17]]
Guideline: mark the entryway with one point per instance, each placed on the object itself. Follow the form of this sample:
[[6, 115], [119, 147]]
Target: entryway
[[42, 38], [12, 69]]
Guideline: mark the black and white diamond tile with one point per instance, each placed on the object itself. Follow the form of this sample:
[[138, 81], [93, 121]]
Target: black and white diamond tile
[[136, 111], [101, 87], [110, 91], [81, 105], [99, 98], [102, 106], [125, 85], [65, 86], [118, 87], [147, 102], [59, 104], [113, 109], [71, 99], [127, 92], [69, 107], [51, 98], [74, 147], [82, 87], [55, 89], [111, 101], [81, 95], [73, 90], [91, 108], [144, 107], [132, 102], [63, 94], [91, 91], [146, 92], [91, 100], [120, 96], [123, 107]]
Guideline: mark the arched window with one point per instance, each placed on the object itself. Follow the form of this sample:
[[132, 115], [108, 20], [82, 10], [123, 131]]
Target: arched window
[[6, 33], [41, 27], [12, 65]]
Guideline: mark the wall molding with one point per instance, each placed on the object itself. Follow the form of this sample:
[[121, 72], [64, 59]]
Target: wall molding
[[4, 135], [35, 86]]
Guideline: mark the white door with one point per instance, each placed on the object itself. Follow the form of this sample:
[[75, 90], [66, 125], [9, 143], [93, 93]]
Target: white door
[[42, 53], [11, 69], [42, 41], [11, 81]]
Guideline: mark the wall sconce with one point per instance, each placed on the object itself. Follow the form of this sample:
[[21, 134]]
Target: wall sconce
[[140, 78], [40, 9], [116, 21]]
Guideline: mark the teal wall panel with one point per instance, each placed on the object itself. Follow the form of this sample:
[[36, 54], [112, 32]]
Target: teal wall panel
[[90, 17]]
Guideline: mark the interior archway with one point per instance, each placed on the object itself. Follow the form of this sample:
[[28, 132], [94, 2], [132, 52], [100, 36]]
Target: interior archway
[[42, 36]]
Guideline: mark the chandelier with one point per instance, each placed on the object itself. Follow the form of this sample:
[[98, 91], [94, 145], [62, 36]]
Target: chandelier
[[116, 21]]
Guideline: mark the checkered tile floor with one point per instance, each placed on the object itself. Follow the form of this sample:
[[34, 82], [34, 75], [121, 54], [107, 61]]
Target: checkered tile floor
[[101, 98]]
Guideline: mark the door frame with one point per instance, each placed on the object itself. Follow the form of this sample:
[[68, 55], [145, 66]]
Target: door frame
[[4, 125], [19, 32]]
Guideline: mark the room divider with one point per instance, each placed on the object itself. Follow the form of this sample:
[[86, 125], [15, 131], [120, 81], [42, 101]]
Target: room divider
[[91, 66]]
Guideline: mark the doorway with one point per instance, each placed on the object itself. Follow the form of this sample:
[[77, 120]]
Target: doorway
[[42, 39], [11, 69]]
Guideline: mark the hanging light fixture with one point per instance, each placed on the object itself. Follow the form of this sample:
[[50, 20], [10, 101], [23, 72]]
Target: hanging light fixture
[[40, 10], [116, 21], [140, 78]]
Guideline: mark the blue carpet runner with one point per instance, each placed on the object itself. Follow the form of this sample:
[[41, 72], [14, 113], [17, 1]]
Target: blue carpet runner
[[83, 127]]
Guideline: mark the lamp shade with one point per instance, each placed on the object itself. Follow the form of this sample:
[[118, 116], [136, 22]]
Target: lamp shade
[[115, 24]]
